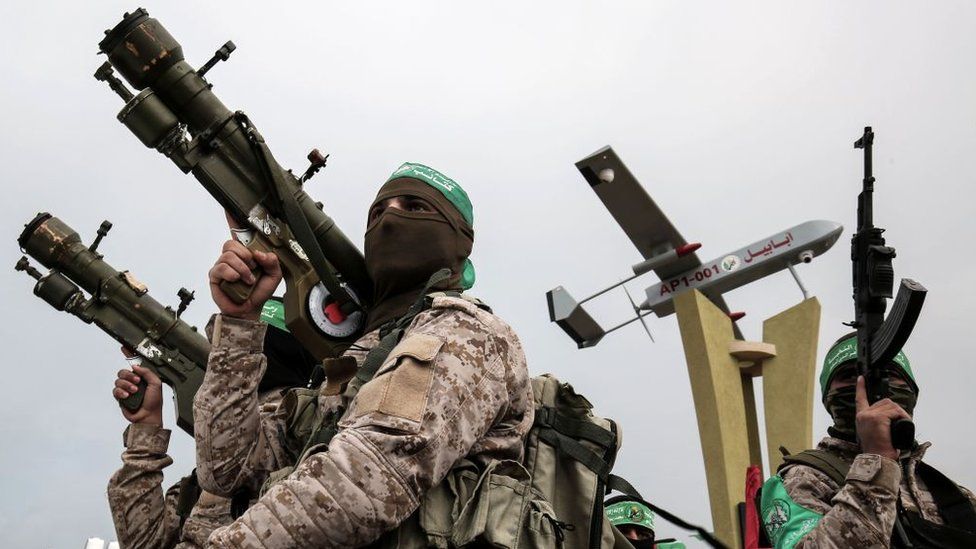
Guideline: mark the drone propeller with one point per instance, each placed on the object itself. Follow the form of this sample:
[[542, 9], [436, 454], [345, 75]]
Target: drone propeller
[[640, 317]]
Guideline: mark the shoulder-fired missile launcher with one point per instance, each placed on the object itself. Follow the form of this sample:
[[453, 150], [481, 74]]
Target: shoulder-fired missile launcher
[[176, 112], [118, 304]]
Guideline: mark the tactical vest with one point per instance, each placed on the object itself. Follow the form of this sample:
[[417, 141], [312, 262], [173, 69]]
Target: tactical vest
[[553, 498], [911, 530]]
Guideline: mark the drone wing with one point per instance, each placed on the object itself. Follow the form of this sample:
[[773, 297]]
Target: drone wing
[[637, 214], [641, 219]]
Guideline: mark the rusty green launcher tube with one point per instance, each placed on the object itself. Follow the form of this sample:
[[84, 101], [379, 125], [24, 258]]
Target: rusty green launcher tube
[[119, 304]]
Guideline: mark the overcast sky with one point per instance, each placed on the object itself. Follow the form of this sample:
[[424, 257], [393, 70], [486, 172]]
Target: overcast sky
[[737, 117]]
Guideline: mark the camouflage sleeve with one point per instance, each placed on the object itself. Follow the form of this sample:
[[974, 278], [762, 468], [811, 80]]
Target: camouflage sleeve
[[236, 438], [209, 513], [803, 508], [439, 391], [144, 517]]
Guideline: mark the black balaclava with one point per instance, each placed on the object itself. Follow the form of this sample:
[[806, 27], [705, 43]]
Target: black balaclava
[[403, 249], [648, 543]]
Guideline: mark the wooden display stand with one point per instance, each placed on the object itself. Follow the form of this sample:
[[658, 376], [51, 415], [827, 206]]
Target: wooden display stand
[[722, 369]]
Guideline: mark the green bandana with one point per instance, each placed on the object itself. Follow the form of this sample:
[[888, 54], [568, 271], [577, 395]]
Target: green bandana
[[845, 351], [454, 194], [630, 512]]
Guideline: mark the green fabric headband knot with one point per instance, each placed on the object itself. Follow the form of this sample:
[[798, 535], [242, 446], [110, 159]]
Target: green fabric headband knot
[[845, 351], [630, 512], [454, 194]]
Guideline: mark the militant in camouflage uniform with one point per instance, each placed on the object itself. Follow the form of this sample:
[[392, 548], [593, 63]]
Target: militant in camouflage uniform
[[144, 516], [842, 495], [184, 516], [454, 388]]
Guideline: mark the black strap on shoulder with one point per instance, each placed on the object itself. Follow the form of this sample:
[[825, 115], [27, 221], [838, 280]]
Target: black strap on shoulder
[[390, 335], [189, 494], [956, 509], [392, 332], [825, 462]]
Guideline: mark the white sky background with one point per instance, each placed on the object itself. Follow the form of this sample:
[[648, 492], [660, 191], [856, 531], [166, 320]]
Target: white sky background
[[738, 118]]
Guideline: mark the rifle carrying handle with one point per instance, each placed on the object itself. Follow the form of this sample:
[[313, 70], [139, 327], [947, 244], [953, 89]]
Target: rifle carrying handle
[[239, 291], [133, 402], [903, 434]]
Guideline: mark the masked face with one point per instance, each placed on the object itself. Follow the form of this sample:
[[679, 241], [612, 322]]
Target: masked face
[[639, 537], [840, 399], [404, 247], [412, 232]]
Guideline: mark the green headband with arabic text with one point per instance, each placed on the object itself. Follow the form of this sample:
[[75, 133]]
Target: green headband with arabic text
[[630, 512], [454, 194], [845, 351]]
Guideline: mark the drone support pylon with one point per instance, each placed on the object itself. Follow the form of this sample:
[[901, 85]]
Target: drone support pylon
[[721, 370]]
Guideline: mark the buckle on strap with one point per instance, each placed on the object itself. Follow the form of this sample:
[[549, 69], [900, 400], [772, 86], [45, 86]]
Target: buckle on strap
[[574, 428]]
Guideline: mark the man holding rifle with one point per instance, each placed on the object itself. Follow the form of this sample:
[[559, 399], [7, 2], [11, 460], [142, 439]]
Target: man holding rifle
[[866, 485], [855, 489], [436, 379]]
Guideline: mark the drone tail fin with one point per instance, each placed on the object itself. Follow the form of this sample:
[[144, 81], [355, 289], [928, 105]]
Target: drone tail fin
[[572, 318]]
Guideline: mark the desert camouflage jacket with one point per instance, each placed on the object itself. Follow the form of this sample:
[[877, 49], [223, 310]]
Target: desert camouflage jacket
[[145, 517], [455, 386], [803, 508]]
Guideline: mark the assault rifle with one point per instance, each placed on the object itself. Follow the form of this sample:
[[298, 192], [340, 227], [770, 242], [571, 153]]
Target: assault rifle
[[177, 113], [120, 305], [878, 338]]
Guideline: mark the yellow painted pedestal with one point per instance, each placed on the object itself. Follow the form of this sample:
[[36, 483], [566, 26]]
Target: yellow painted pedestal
[[721, 371]]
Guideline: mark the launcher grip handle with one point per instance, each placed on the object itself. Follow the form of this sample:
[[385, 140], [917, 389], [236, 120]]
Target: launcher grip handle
[[239, 291], [133, 402]]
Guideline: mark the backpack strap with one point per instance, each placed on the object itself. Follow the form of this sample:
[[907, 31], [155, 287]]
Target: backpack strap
[[561, 431], [575, 428], [825, 462]]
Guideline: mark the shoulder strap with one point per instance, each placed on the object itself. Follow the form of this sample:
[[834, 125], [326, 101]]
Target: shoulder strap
[[956, 509], [823, 461], [390, 335], [189, 494]]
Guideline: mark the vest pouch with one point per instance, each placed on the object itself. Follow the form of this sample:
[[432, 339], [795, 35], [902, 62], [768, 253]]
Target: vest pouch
[[275, 477], [504, 511], [300, 406]]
